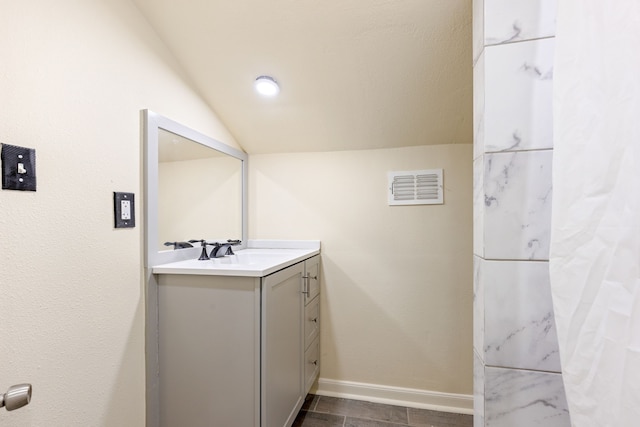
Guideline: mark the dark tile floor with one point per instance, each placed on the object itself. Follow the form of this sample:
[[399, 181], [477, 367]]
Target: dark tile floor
[[322, 411]]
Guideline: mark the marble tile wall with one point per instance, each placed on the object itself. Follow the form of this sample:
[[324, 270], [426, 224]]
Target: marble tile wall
[[518, 95], [516, 363], [478, 391], [478, 107], [478, 29], [508, 21], [517, 205], [519, 326], [478, 305], [524, 399], [478, 206]]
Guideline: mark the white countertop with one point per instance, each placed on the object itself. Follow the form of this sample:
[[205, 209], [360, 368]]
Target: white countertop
[[260, 260]]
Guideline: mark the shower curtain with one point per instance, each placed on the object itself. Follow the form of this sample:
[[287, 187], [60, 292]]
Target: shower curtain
[[595, 242]]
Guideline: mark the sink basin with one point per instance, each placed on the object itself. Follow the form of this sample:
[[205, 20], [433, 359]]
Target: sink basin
[[251, 257], [252, 262]]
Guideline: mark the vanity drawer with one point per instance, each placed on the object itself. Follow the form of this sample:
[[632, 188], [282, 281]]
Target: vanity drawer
[[311, 364], [311, 321]]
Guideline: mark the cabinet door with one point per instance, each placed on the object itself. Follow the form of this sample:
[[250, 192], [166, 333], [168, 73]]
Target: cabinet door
[[282, 346], [208, 351]]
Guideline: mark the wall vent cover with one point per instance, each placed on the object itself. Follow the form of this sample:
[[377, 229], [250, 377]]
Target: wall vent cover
[[422, 187]]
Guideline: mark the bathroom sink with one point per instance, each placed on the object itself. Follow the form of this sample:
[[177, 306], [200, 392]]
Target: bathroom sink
[[251, 257], [252, 262]]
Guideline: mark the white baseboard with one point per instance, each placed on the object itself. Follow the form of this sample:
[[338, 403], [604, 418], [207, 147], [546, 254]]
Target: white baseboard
[[412, 398]]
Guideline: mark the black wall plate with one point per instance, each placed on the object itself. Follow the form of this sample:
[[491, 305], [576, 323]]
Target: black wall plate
[[124, 210], [18, 168]]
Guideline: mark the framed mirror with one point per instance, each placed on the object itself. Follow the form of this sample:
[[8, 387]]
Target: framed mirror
[[195, 188]]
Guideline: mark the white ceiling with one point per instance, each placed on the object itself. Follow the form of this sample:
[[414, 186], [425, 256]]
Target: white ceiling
[[354, 74]]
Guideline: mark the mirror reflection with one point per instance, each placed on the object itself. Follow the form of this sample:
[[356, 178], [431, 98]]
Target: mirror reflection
[[199, 192]]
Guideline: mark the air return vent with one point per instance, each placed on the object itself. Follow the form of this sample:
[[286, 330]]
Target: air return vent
[[416, 187]]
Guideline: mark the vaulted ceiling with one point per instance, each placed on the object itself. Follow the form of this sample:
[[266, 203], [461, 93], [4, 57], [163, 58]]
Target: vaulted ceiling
[[354, 74]]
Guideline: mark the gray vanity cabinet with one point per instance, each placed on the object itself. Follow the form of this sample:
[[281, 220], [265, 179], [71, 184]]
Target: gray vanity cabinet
[[290, 331], [237, 351]]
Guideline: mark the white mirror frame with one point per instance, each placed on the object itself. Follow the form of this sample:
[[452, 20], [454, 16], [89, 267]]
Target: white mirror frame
[[152, 122]]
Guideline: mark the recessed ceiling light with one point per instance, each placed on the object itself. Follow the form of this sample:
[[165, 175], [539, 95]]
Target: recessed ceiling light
[[267, 86]]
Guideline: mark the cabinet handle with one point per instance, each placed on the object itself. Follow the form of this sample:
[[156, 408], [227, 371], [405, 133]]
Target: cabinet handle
[[315, 362], [315, 320], [306, 278]]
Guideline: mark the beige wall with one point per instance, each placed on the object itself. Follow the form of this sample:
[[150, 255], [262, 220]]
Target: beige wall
[[74, 76], [397, 281]]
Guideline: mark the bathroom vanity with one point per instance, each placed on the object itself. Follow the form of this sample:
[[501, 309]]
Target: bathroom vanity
[[230, 341], [238, 337]]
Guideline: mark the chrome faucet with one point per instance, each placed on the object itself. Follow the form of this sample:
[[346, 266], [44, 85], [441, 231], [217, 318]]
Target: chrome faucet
[[219, 249]]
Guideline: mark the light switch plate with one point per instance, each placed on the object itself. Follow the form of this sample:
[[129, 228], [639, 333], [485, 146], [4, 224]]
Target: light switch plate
[[124, 210], [18, 168]]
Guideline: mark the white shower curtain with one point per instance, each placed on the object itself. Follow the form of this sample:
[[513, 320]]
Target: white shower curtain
[[595, 242]]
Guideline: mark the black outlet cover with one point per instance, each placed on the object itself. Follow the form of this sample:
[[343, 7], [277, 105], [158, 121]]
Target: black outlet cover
[[18, 168], [124, 210]]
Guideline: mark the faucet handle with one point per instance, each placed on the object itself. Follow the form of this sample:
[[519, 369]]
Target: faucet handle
[[178, 245]]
